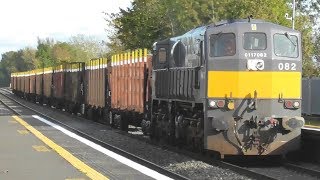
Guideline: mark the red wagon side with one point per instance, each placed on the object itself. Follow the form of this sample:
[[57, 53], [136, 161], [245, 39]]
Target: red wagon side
[[130, 87], [96, 88], [39, 84], [74, 94], [47, 83], [58, 86], [32, 85]]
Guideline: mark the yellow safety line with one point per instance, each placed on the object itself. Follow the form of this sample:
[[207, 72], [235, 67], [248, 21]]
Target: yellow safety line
[[90, 172], [311, 126]]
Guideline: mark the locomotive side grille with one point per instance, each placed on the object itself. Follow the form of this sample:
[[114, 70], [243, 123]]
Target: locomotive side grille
[[176, 83]]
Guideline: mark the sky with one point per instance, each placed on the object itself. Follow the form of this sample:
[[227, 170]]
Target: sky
[[23, 21]]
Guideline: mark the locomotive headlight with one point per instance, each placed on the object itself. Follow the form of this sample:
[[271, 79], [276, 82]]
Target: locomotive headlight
[[230, 105], [221, 103], [212, 103], [296, 104], [289, 104]]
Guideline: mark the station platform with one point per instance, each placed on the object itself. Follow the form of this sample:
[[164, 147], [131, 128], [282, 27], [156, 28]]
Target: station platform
[[312, 122], [33, 149], [24, 156]]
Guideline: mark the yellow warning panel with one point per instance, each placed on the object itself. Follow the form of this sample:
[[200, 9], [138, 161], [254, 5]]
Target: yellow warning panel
[[23, 132], [41, 148]]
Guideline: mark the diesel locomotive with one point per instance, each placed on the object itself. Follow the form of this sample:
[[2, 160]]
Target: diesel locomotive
[[232, 87]]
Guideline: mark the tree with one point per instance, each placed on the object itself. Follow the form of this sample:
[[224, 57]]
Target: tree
[[62, 52], [29, 57], [149, 21], [152, 20], [86, 48], [306, 23], [139, 26], [44, 53], [16, 61]]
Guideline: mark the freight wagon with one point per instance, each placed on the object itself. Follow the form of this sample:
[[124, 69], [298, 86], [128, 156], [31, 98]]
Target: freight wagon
[[115, 92]]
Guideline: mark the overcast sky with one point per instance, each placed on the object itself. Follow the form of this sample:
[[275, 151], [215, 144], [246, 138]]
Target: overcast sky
[[22, 21]]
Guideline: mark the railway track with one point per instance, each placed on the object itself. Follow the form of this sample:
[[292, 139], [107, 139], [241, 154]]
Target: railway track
[[249, 172], [281, 168], [5, 108], [301, 169], [287, 171]]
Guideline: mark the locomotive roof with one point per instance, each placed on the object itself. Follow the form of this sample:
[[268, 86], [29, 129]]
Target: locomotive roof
[[235, 22], [200, 31], [240, 22]]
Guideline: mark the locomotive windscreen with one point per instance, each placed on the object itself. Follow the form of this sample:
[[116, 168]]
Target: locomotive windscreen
[[255, 41], [285, 45], [222, 44]]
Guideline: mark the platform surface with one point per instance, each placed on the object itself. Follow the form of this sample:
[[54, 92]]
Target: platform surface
[[32, 149], [24, 156]]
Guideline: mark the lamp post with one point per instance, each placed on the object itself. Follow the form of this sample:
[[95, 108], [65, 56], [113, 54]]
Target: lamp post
[[102, 44], [293, 13]]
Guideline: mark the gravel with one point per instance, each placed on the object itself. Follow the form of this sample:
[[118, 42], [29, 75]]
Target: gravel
[[283, 173]]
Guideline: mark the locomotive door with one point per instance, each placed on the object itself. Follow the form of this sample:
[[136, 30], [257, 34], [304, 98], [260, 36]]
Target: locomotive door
[[161, 69], [162, 56], [82, 82]]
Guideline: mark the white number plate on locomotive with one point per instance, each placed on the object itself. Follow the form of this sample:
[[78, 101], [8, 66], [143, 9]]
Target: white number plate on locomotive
[[287, 66]]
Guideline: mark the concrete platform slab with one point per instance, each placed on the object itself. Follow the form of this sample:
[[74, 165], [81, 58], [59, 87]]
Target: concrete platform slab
[[23, 156]]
